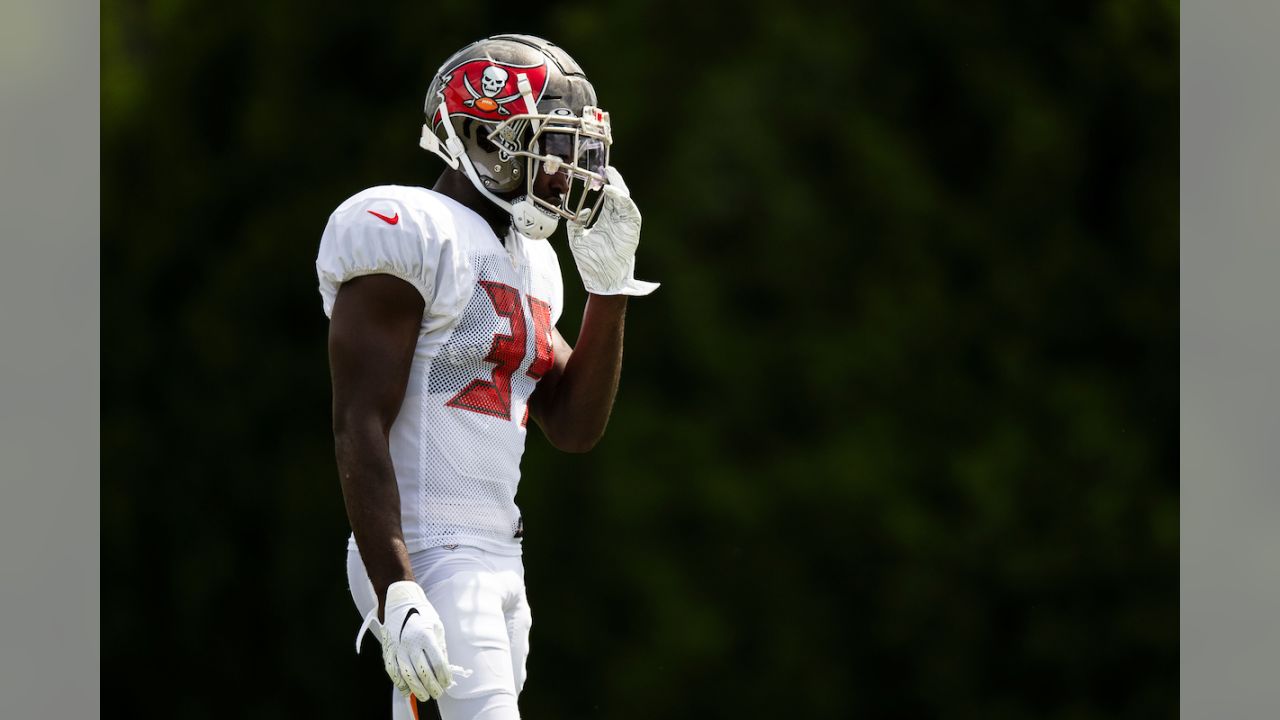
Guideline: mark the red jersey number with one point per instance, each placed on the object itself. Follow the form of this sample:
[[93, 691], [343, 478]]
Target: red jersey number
[[493, 396], [545, 354]]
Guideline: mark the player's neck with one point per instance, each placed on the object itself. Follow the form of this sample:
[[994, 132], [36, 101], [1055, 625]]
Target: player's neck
[[454, 184]]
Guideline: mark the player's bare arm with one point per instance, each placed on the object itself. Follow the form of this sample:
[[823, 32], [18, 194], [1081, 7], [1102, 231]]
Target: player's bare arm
[[574, 399], [373, 331], [372, 336], [573, 402]]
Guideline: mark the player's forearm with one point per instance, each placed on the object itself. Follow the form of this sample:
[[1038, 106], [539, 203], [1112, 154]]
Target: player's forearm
[[372, 498], [584, 396]]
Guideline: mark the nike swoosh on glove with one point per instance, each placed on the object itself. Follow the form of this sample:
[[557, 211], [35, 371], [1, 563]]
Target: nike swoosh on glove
[[413, 647], [606, 253]]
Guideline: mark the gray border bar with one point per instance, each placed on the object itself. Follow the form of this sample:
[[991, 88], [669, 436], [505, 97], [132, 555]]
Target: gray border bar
[[49, 349], [1230, 343]]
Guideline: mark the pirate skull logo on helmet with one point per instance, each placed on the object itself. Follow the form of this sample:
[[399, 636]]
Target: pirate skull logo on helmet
[[493, 79]]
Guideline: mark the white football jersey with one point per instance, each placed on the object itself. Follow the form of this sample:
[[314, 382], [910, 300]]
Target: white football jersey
[[484, 342]]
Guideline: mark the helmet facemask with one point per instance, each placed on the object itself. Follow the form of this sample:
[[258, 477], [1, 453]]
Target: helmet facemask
[[558, 143], [562, 143]]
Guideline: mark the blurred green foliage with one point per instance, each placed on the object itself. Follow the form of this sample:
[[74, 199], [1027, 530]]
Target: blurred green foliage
[[896, 438]]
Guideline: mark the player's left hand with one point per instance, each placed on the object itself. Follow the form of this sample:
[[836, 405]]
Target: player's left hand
[[606, 253]]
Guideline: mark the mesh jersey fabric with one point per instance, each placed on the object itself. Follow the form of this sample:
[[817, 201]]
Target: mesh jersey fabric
[[484, 342]]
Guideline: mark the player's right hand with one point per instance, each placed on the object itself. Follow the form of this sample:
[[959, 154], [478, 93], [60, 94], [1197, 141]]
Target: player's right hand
[[413, 648], [606, 253]]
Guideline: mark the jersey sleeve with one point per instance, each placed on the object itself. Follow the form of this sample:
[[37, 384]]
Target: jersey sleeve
[[376, 235]]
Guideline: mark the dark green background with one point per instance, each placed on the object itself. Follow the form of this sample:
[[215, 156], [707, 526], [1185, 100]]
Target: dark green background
[[895, 439]]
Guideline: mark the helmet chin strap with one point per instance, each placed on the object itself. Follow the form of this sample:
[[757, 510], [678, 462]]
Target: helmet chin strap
[[527, 218], [532, 221]]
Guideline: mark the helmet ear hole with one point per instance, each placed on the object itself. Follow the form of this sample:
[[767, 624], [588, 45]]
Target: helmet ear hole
[[478, 134]]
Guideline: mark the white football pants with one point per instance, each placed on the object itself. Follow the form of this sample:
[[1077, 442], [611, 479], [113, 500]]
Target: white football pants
[[481, 600]]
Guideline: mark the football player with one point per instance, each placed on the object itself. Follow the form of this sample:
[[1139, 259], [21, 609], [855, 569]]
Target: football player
[[443, 306]]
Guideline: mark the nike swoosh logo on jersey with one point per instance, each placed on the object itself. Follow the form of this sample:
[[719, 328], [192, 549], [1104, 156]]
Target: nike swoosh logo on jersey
[[389, 220]]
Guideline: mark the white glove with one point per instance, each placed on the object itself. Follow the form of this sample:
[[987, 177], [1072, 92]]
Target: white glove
[[606, 254], [413, 648]]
